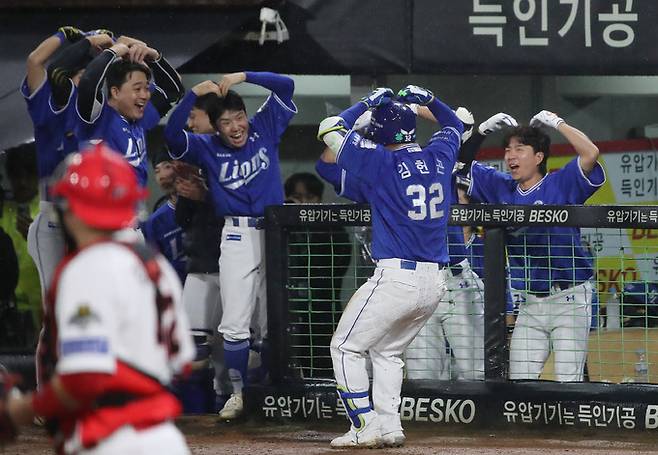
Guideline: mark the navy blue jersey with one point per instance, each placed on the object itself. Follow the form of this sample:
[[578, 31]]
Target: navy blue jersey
[[540, 257], [97, 121], [408, 191], [241, 181], [350, 188], [53, 128], [161, 231], [124, 136]]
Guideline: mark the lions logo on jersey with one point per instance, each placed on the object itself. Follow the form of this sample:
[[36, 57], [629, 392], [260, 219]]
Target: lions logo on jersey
[[236, 174]]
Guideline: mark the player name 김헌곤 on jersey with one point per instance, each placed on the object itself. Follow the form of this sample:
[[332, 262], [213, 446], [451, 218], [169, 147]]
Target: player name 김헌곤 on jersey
[[411, 185]]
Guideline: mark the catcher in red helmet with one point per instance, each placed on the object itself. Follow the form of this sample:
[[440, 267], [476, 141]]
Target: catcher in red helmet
[[115, 330]]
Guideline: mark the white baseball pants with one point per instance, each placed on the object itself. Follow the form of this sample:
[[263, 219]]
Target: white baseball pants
[[242, 279], [559, 322], [382, 318], [45, 244], [459, 318]]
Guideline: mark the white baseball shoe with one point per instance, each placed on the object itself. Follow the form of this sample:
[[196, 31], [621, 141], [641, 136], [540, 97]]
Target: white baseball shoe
[[393, 439], [369, 436], [233, 407]]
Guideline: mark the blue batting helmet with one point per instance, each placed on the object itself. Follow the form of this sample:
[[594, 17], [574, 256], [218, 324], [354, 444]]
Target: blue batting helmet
[[392, 123]]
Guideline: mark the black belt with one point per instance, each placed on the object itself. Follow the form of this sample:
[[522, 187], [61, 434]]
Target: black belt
[[456, 269], [556, 287]]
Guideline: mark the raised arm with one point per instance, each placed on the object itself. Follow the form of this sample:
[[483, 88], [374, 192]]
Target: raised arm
[[90, 90], [166, 78], [494, 123], [584, 147], [36, 61], [175, 135], [412, 94], [69, 61], [282, 86]]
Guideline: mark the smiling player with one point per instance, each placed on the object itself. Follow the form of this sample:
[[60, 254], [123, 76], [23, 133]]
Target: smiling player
[[550, 268], [132, 105], [242, 166]]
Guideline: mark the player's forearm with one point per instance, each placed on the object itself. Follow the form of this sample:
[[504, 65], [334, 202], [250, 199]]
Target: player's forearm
[[445, 115], [469, 149], [91, 84], [167, 78], [174, 132], [583, 146], [330, 172], [282, 86], [352, 113], [62, 67], [36, 61]]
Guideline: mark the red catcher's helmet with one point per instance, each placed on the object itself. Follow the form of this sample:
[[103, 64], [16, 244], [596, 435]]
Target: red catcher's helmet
[[100, 187]]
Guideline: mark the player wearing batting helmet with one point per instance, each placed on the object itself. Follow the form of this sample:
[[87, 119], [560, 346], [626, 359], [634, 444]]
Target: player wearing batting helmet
[[407, 187], [115, 328], [549, 266]]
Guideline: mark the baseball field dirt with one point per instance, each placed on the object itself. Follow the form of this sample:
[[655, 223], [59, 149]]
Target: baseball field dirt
[[207, 435]]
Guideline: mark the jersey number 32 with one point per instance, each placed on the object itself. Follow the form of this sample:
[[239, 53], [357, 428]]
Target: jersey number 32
[[421, 205]]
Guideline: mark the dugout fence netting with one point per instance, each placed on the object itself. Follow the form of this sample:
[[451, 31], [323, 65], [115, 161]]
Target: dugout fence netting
[[318, 255]]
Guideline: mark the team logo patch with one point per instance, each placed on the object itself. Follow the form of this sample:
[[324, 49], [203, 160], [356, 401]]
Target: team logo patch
[[236, 237], [84, 316]]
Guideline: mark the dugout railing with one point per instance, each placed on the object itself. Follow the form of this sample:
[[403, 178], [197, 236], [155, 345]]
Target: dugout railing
[[296, 393]]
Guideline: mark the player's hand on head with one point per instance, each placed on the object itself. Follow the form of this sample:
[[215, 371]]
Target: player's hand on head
[[100, 31], [546, 118], [413, 94], [130, 41], [378, 97], [138, 53], [151, 54], [72, 34], [205, 87], [100, 41], [496, 123], [229, 80], [120, 49]]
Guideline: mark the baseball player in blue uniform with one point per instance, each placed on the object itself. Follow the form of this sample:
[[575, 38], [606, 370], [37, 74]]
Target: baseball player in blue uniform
[[241, 163], [161, 229], [550, 269], [50, 96], [407, 187], [132, 103]]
